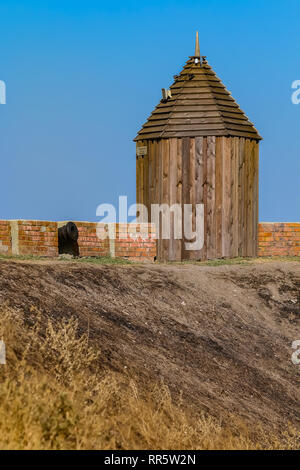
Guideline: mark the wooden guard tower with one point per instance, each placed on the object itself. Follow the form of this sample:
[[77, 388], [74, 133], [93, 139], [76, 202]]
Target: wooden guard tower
[[198, 147]]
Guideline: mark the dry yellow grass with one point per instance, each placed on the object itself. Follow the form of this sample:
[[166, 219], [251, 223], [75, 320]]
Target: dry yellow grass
[[54, 395]]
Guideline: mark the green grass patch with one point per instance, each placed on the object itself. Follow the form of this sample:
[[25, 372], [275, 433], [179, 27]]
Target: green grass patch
[[222, 262], [93, 260], [109, 260], [237, 261], [97, 260], [214, 262], [247, 261]]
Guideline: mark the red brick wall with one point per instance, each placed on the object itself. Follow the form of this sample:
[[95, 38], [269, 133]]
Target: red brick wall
[[128, 243], [88, 242], [5, 238], [279, 239], [122, 245], [38, 238]]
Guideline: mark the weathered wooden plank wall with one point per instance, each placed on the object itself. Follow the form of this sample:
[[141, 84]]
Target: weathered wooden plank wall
[[219, 172]]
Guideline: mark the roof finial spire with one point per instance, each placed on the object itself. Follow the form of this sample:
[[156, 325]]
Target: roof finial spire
[[197, 48]]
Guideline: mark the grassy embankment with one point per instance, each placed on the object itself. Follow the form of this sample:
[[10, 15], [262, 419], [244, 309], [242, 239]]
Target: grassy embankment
[[54, 394]]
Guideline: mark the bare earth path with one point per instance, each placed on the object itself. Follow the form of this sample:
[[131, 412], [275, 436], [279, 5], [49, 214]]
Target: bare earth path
[[220, 335]]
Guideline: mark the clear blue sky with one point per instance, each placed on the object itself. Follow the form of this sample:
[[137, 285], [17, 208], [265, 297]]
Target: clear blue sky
[[82, 77]]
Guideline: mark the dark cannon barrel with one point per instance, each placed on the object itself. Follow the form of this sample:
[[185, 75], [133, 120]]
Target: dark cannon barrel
[[68, 232], [67, 239]]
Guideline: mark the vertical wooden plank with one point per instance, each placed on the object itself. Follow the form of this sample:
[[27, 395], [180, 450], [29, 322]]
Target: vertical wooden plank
[[179, 199], [250, 199], [234, 199], [249, 212], [166, 191], [173, 194], [199, 181], [236, 196], [137, 195], [142, 162], [185, 186], [255, 199], [248, 177], [156, 184], [252, 205], [257, 194], [141, 172], [151, 178], [160, 171], [156, 165], [246, 198], [211, 175], [219, 195], [140, 181], [160, 194], [192, 195], [241, 195], [226, 197], [205, 190], [146, 184], [231, 221]]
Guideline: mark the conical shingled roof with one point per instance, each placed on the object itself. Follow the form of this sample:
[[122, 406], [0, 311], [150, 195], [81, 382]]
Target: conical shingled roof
[[200, 106]]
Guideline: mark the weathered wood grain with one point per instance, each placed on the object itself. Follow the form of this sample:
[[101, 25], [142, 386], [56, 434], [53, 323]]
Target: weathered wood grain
[[185, 185], [226, 196], [199, 182], [179, 183], [210, 202], [219, 172], [172, 194], [219, 196]]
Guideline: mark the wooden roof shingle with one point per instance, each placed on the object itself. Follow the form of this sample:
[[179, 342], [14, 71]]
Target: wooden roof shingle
[[200, 105]]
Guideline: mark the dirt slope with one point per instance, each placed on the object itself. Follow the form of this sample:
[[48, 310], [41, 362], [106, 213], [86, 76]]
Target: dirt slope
[[221, 335]]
